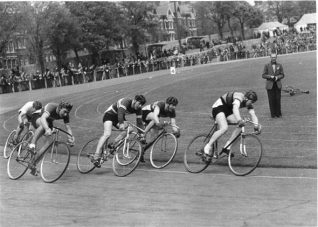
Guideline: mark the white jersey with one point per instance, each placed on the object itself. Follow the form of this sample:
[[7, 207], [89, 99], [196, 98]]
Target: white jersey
[[27, 109]]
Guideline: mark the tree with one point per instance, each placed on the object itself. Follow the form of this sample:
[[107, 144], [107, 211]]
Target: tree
[[102, 25], [62, 32], [34, 22], [10, 16], [140, 20], [246, 15], [204, 24]]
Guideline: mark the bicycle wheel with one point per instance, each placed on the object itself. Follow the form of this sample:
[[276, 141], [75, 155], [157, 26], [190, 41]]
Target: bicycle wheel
[[84, 164], [242, 164], [127, 157], [193, 155], [163, 150], [8, 147], [28, 136], [18, 161], [55, 162]]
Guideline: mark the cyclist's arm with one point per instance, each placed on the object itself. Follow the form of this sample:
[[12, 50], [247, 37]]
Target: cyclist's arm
[[253, 116], [173, 124], [44, 123], [69, 130], [236, 109], [22, 119], [121, 115], [155, 120]]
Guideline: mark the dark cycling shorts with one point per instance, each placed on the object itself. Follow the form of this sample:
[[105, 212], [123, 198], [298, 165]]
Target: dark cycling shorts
[[220, 109], [144, 116], [111, 117], [34, 118]]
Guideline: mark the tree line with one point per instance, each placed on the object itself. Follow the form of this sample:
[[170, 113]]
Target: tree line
[[95, 26]]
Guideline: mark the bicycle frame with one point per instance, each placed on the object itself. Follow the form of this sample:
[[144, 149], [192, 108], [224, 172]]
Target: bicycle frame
[[241, 135], [148, 145], [55, 138]]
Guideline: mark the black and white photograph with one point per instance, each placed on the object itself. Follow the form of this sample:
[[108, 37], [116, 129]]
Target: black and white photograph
[[158, 113]]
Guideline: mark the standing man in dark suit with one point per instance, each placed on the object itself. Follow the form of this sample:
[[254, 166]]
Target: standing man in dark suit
[[273, 73]]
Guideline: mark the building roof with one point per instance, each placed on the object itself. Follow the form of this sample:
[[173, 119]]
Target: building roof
[[310, 18]]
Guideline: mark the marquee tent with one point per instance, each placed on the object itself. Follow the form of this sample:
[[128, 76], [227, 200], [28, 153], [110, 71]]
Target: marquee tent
[[271, 26], [305, 21]]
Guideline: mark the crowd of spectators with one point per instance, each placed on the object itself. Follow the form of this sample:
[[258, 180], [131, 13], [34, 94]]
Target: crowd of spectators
[[282, 43]]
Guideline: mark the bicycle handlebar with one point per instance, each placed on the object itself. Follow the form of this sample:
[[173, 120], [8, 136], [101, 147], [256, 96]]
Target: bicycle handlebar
[[59, 129]]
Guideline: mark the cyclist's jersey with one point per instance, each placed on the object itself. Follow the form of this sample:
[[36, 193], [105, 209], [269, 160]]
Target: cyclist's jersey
[[229, 97], [27, 109], [121, 107], [51, 110], [162, 111]]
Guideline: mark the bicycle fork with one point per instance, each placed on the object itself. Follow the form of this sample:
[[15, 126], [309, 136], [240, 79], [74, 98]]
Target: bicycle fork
[[126, 146], [242, 144]]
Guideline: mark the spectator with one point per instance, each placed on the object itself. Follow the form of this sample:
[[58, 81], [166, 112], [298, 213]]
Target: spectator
[[273, 73]]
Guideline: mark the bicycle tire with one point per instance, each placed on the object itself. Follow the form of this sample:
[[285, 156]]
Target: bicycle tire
[[8, 147], [124, 163], [163, 150], [55, 162], [242, 165], [28, 136], [18, 161], [84, 164], [193, 155]]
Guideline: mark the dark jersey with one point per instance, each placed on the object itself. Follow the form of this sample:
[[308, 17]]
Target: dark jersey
[[229, 97], [162, 111], [51, 109], [121, 107]]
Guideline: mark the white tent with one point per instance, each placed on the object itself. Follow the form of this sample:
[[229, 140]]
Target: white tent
[[271, 26], [305, 20]]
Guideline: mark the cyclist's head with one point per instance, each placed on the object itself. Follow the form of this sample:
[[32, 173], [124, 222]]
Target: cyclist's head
[[37, 105], [251, 95], [172, 101], [141, 99], [65, 105]]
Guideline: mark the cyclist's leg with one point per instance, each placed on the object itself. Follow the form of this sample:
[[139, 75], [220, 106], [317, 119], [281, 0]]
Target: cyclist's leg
[[236, 131], [37, 134], [222, 128], [22, 120], [104, 138]]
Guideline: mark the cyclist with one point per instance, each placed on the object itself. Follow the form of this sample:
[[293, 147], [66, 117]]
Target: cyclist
[[50, 113], [226, 109], [25, 116], [152, 112], [115, 116]]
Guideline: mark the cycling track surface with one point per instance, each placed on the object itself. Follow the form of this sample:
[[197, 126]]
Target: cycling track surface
[[149, 197]]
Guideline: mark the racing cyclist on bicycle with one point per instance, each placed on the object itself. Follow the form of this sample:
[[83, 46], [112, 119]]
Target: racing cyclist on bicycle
[[115, 116], [227, 109], [25, 116], [152, 112], [50, 113]]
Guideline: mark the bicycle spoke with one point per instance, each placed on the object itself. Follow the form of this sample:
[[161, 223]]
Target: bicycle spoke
[[163, 150], [193, 159], [84, 164], [18, 161], [127, 158], [54, 162], [247, 155]]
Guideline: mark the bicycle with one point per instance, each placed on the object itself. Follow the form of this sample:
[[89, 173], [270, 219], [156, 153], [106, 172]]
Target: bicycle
[[54, 160], [10, 143], [242, 159], [126, 153], [163, 146], [293, 91]]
